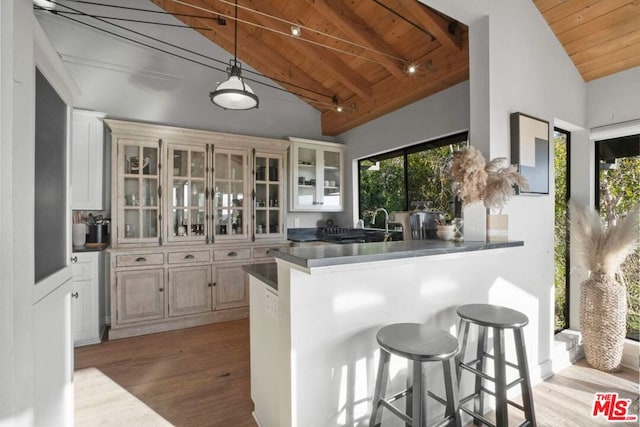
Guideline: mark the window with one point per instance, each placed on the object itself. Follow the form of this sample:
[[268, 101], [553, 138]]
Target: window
[[397, 179], [617, 191], [561, 239]]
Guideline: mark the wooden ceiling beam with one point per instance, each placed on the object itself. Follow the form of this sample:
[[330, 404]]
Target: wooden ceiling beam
[[322, 58], [352, 26], [435, 24], [262, 56], [388, 96]]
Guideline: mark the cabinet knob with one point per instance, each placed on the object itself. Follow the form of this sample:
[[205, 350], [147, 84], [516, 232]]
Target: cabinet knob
[[74, 295], [232, 253], [141, 259], [189, 256], [161, 290], [210, 285], [214, 283], [74, 259]]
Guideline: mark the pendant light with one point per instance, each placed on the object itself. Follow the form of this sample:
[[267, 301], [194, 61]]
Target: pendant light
[[234, 93]]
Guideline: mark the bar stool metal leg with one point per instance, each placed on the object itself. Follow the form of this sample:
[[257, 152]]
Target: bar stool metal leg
[[478, 401], [500, 374], [451, 392], [381, 386], [523, 368], [418, 398]]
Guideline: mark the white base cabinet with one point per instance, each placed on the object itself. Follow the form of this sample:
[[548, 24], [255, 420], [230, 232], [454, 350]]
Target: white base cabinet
[[87, 298]]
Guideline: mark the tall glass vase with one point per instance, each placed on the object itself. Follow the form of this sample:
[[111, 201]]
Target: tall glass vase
[[603, 314]]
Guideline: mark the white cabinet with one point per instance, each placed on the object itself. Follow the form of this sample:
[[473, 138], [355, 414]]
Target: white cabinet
[[317, 176], [87, 161], [87, 297]]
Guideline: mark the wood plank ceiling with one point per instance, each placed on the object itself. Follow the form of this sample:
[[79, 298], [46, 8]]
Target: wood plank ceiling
[[357, 51], [602, 37]]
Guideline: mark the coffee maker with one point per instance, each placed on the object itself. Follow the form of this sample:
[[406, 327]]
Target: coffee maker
[[401, 219]]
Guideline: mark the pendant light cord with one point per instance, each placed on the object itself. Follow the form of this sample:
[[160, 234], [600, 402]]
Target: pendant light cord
[[235, 38]]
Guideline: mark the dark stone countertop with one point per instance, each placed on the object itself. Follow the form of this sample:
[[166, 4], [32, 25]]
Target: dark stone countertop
[[328, 255], [267, 273], [90, 249]]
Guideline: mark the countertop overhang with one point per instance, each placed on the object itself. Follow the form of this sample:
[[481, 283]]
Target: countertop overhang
[[330, 255]]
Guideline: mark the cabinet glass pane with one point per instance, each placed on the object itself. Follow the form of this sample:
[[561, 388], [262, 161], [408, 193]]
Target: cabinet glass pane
[[131, 196], [237, 193], [150, 223], [261, 195], [222, 217], [197, 222], [197, 165], [131, 159], [274, 170], [149, 192], [237, 167], [261, 222], [261, 169], [131, 223], [180, 162], [221, 198], [274, 219], [222, 166], [236, 221], [274, 195], [180, 222], [197, 193], [180, 192], [149, 161]]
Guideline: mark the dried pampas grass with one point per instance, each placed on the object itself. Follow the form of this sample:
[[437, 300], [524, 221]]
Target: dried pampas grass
[[476, 180], [602, 249], [468, 171]]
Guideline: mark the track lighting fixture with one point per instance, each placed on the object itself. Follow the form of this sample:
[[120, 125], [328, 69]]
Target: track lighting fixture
[[296, 31]]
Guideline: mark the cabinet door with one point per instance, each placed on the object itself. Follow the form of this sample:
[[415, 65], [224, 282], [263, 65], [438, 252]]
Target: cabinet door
[[84, 319], [230, 288], [187, 197], [230, 195], [189, 290], [269, 193], [139, 191], [139, 295], [87, 155], [317, 177]]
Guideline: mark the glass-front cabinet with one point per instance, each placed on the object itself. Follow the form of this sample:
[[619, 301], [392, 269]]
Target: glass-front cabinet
[[317, 176], [269, 218], [139, 191], [230, 194], [187, 198]]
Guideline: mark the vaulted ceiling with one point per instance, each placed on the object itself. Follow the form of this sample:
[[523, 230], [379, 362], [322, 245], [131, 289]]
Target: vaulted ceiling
[[601, 37], [355, 51]]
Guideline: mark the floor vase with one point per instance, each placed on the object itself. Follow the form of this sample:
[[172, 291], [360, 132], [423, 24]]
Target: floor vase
[[603, 314]]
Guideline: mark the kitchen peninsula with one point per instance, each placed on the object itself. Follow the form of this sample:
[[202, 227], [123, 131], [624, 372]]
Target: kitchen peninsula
[[313, 347]]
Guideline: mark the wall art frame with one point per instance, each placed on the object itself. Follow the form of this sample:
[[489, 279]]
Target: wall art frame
[[530, 151]]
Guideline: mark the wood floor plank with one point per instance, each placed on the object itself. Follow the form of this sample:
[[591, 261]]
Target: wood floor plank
[[200, 377]]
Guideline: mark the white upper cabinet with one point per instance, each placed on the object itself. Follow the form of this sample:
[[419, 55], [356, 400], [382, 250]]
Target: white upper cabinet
[[87, 161], [317, 176]]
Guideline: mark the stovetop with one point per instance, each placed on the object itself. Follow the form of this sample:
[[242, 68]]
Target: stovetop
[[343, 235]]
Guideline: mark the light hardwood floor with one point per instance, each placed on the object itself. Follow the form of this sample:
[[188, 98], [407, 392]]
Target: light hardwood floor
[[199, 377]]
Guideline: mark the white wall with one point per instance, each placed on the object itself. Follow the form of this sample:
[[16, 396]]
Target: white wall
[[133, 82], [614, 99], [444, 113], [17, 118]]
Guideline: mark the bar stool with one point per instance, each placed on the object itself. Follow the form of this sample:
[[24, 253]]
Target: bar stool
[[499, 318], [418, 343]]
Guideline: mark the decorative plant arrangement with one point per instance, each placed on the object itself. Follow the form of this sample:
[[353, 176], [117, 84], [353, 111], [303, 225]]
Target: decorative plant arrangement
[[601, 249], [478, 181]]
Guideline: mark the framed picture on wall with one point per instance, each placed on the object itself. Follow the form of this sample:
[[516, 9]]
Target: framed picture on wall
[[530, 151]]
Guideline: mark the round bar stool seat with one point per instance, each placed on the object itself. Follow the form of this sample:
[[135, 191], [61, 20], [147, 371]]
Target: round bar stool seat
[[417, 343], [493, 316], [499, 319], [414, 341]]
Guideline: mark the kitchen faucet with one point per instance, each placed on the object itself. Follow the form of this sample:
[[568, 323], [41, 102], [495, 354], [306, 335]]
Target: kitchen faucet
[[386, 222]]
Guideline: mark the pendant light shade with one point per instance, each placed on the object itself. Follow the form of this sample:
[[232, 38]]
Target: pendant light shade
[[234, 93]]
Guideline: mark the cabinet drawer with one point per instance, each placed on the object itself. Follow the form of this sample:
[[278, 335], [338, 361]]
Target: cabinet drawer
[[264, 252], [191, 256], [231, 254], [139, 259]]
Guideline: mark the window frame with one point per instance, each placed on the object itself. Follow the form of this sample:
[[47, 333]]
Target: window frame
[[455, 138]]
